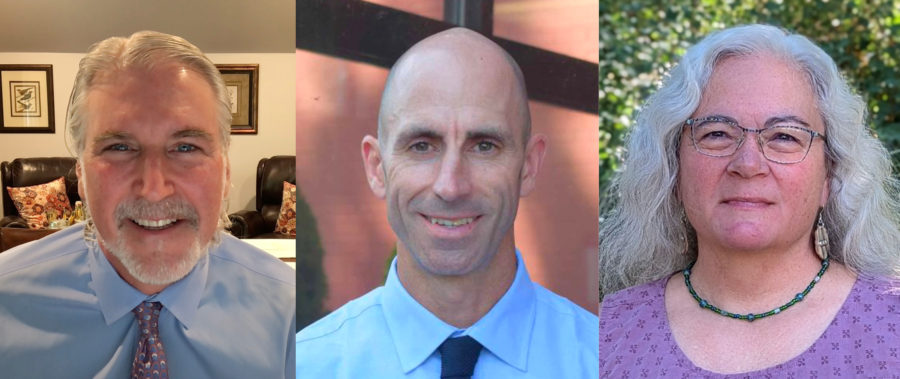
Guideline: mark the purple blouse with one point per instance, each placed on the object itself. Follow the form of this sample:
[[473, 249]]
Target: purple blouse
[[863, 340]]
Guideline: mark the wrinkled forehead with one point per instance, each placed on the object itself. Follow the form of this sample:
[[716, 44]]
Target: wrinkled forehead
[[148, 96]]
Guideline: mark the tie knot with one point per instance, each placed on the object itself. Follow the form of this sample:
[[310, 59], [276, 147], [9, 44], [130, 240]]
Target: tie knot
[[147, 314], [458, 357]]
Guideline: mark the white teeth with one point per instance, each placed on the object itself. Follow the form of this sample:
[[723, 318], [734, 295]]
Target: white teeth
[[154, 223], [451, 223]]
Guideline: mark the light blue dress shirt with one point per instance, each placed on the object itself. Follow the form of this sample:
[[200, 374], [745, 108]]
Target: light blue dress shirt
[[66, 313], [530, 333]]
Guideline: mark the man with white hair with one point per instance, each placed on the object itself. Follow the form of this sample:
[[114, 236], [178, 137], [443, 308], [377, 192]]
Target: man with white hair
[[149, 285], [453, 156]]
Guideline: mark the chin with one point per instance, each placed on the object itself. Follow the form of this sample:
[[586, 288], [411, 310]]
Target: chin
[[154, 267], [746, 243]]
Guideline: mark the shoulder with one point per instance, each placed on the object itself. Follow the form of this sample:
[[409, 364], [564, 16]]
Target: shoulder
[[632, 298], [58, 247], [877, 295], [358, 314], [633, 306], [634, 325], [564, 308], [568, 323], [248, 261], [354, 330]]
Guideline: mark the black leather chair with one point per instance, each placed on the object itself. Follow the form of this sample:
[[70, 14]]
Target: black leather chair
[[260, 223], [23, 172]]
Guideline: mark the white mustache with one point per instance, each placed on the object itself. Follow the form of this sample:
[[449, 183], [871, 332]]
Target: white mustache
[[166, 209]]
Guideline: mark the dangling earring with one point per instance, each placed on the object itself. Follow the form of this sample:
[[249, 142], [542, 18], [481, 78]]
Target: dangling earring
[[821, 242]]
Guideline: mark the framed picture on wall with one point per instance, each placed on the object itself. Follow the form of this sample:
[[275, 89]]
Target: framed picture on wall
[[26, 91], [242, 82]]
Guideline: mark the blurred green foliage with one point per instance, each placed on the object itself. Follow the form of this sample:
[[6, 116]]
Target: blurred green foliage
[[641, 40]]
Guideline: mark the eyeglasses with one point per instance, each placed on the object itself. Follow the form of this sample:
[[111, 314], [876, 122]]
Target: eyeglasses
[[717, 136]]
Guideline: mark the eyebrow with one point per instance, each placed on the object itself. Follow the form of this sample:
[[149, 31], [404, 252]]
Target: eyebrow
[[771, 121], [111, 136], [489, 133], [193, 133], [777, 120], [415, 132], [184, 133]]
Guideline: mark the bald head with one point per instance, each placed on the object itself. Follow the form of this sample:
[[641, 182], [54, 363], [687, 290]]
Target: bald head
[[458, 67]]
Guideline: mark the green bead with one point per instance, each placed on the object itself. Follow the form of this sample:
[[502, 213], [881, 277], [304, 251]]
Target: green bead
[[750, 316]]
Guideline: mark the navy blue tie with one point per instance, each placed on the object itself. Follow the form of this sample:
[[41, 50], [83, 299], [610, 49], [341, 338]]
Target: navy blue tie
[[458, 357]]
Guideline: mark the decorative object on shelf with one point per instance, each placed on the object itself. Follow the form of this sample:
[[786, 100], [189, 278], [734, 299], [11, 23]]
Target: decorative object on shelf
[[26, 92], [242, 84]]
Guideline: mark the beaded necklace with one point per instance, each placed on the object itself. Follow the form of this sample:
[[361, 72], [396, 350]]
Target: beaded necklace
[[750, 316]]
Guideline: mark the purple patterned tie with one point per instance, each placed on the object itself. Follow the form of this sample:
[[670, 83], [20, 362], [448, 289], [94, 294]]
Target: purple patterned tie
[[150, 357]]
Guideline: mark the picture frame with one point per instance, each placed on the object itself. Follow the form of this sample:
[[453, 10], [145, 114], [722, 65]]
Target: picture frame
[[26, 93], [242, 84]]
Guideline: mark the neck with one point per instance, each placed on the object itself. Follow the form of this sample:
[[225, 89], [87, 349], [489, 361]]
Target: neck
[[752, 281], [459, 300]]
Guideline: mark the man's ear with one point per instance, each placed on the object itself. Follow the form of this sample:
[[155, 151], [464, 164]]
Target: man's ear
[[372, 162], [534, 158]]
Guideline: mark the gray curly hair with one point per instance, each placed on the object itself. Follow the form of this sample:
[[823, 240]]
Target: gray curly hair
[[645, 236]]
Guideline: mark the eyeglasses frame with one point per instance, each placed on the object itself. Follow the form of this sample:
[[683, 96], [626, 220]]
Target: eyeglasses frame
[[694, 121]]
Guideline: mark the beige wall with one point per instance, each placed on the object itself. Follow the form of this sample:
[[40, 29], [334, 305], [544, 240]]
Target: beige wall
[[276, 117]]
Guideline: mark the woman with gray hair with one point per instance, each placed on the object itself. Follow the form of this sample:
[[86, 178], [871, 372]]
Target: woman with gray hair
[[756, 222]]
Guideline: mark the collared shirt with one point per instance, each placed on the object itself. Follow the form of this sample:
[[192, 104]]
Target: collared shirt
[[529, 333], [65, 312]]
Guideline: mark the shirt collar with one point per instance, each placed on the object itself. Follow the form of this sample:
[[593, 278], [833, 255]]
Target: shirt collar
[[117, 298], [505, 330]]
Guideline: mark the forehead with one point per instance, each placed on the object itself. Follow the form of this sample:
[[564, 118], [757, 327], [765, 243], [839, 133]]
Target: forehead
[[170, 94], [439, 89], [754, 88]]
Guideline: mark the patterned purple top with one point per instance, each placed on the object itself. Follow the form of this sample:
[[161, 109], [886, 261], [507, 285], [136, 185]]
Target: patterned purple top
[[863, 340]]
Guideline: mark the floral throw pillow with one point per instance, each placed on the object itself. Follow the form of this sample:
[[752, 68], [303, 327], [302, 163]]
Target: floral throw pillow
[[33, 202], [287, 218]]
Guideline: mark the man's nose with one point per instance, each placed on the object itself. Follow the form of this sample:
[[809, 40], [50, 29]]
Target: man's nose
[[154, 182], [453, 179]]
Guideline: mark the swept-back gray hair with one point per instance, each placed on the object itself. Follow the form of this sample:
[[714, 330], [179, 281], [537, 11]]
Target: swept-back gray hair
[[645, 236], [145, 49]]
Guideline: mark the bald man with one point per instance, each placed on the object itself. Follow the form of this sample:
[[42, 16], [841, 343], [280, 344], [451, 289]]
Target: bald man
[[453, 155]]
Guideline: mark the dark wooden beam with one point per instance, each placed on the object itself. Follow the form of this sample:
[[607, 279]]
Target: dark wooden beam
[[477, 15], [378, 35]]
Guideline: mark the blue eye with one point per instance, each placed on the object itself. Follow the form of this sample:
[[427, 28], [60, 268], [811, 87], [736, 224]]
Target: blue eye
[[185, 148], [118, 147]]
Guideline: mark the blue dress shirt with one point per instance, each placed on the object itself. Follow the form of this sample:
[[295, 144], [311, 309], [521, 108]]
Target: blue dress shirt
[[66, 313], [529, 333]]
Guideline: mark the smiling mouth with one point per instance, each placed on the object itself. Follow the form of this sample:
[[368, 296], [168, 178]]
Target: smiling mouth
[[451, 223], [155, 224]]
